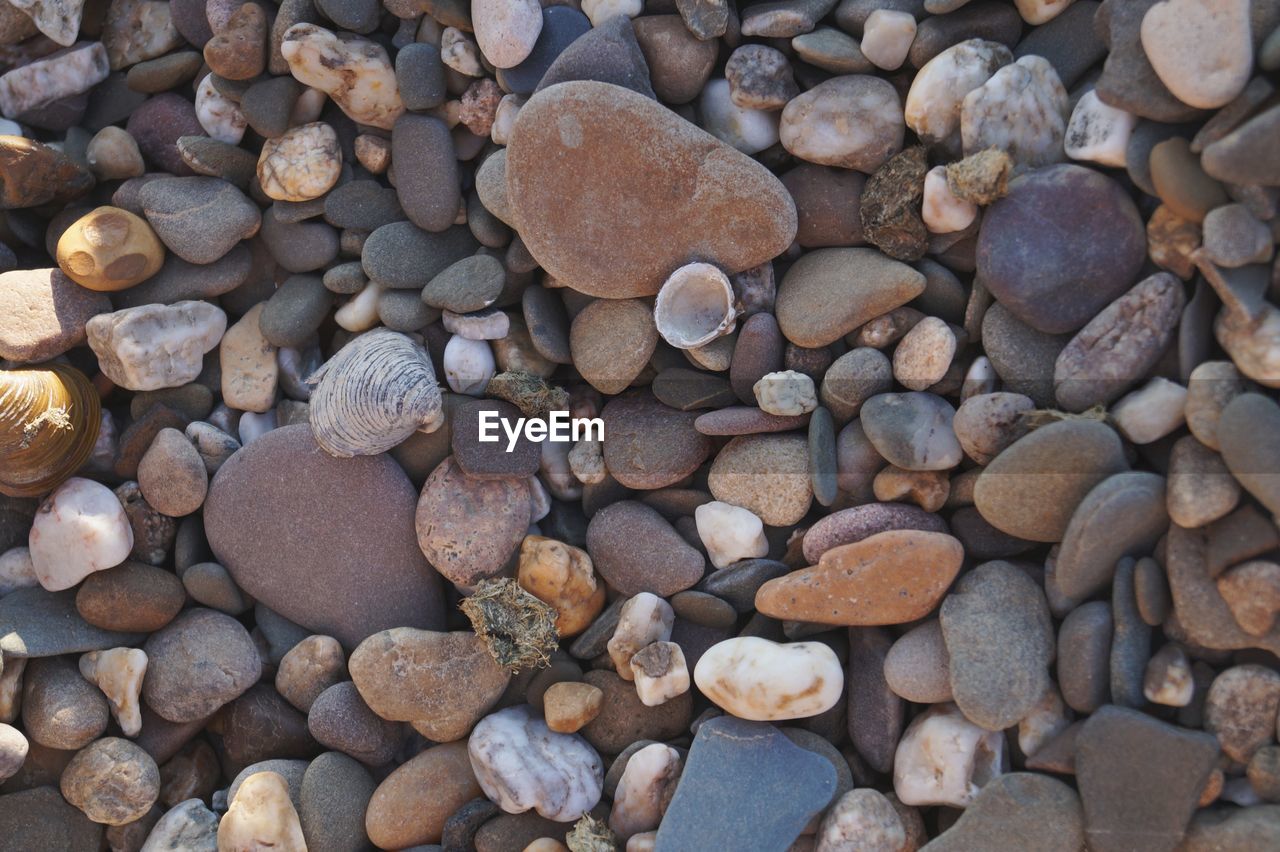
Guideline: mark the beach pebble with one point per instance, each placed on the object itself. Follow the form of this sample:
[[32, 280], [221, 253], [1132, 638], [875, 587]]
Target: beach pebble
[[863, 817], [237, 50], [215, 113], [786, 393], [1240, 709], [1151, 412], [912, 430], [817, 125], [887, 35], [569, 705], [339, 719], [562, 576], [199, 218], [261, 815], [933, 104], [749, 130], [522, 765], [636, 550], [944, 759], [113, 781], [131, 597], [1233, 237], [1202, 51], [730, 533], [506, 32], [660, 673], [308, 669], [43, 313], [754, 678], [643, 620], [1098, 132], [1250, 590], [643, 791], [398, 815], [1018, 809], [679, 62], [38, 83], [1201, 489], [172, 475], [611, 341], [917, 667], [441, 682], [355, 72], [155, 346], [118, 672], [300, 165], [178, 689], [109, 249], [561, 27], [1168, 680], [1022, 110], [760, 77], [79, 529], [765, 474], [941, 211], [830, 292], [60, 709], [469, 528], [1084, 649]]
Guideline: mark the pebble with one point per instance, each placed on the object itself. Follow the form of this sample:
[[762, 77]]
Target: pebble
[[332, 800], [944, 759], [339, 719], [1014, 495], [1243, 154], [636, 550], [754, 678], [301, 164], [399, 816], [624, 718], [40, 818], [43, 313], [356, 73], [308, 669], [679, 62], [1201, 51], [765, 474], [933, 104], [1248, 445], [856, 523], [1240, 709], [179, 690], [1249, 590], [1022, 110], [611, 341], [831, 50], [113, 781], [1021, 810], [660, 671], [563, 576], [60, 709], [261, 815], [179, 281], [35, 174], [608, 53], [132, 597], [912, 430], [172, 475], [891, 577], [423, 676], [1139, 778], [427, 181], [887, 35], [1151, 412], [1167, 679], [1098, 132], [468, 528], [523, 765], [81, 528], [815, 125], [917, 667], [199, 218], [1234, 238], [614, 120], [712, 808], [155, 346], [760, 78], [830, 292], [748, 130], [45, 81], [506, 32], [646, 786], [1034, 277], [569, 705], [1181, 182], [109, 249]]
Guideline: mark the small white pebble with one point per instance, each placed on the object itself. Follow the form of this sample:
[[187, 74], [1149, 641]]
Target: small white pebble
[[785, 393], [941, 211], [730, 533], [887, 37], [1098, 132], [1151, 412]]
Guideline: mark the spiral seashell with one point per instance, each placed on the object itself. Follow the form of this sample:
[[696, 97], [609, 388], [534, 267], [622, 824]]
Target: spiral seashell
[[49, 421], [694, 306], [378, 390]]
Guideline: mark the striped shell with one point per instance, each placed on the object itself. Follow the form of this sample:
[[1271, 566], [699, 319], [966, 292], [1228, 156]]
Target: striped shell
[[378, 390], [49, 421]]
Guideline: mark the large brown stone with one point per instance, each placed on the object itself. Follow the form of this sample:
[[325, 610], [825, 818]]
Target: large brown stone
[[328, 543], [43, 313], [612, 192], [32, 173], [889, 578]]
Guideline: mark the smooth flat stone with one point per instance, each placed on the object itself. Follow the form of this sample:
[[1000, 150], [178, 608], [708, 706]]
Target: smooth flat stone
[[858, 522], [1249, 434], [561, 27], [874, 713], [745, 787], [328, 543], [38, 623], [746, 420], [1019, 810], [608, 53], [599, 180]]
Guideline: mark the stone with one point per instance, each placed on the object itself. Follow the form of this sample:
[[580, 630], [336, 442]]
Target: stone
[[588, 253], [399, 816], [261, 815], [524, 765], [109, 249], [1255, 825], [118, 673], [827, 204], [942, 211], [1243, 154], [79, 529], [442, 682], [1240, 709], [1128, 80], [138, 30], [944, 759], [469, 528], [112, 781], [1151, 412], [1250, 591], [1032, 489], [624, 718], [760, 77], [179, 281], [912, 430], [308, 669], [249, 367], [1249, 447], [561, 27], [43, 314], [754, 678], [1182, 183], [238, 50], [636, 550], [748, 130], [679, 62], [1094, 369], [1020, 810], [155, 346], [1022, 110], [1234, 238], [426, 181], [891, 577], [1098, 132], [405, 593], [171, 475], [643, 620], [45, 81], [60, 709], [730, 533], [40, 818], [1201, 52], [197, 663], [645, 788], [57, 19], [506, 32], [789, 786], [817, 125], [332, 800], [830, 292], [215, 114], [562, 576], [611, 340], [785, 393], [1201, 489], [933, 104], [1167, 679], [32, 174], [355, 72], [887, 35], [1139, 779], [766, 474], [200, 219], [661, 672], [568, 705], [339, 719], [301, 164], [1035, 278], [917, 667]]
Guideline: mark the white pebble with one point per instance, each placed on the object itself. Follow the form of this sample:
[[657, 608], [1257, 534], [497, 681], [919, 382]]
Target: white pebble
[[355, 72], [599, 11], [504, 119], [980, 379], [932, 108], [886, 37], [764, 681], [645, 619], [361, 312], [16, 570], [1098, 132], [941, 211], [1022, 110], [155, 346], [1151, 412], [557, 471], [661, 673], [460, 53], [730, 533], [944, 759], [489, 324], [1201, 49], [638, 802], [506, 30], [220, 116], [522, 764], [80, 528], [468, 365], [787, 393], [187, 825], [254, 425], [118, 672], [300, 165], [748, 130], [63, 75]]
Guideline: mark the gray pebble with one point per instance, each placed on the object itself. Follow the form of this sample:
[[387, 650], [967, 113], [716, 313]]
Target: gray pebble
[[208, 583], [470, 284], [199, 218], [404, 310], [295, 311], [300, 247], [268, 103], [1130, 640], [403, 256], [358, 16], [364, 205], [421, 76], [1084, 657], [426, 171]]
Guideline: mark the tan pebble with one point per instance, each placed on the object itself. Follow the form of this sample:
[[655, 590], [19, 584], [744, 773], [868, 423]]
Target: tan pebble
[[1212, 789], [249, 369], [754, 678], [302, 164], [261, 817], [1170, 241], [1200, 489], [373, 152], [308, 669], [400, 815], [643, 620], [924, 354], [118, 672], [928, 489], [569, 705], [562, 576], [1252, 592], [765, 474], [113, 155], [110, 249], [112, 781]]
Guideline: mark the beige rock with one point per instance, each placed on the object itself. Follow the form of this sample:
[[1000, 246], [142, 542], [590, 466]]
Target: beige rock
[[373, 152], [886, 37], [854, 122], [1046, 720], [460, 53], [43, 81], [730, 533], [355, 72], [754, 678], [928, 489], [1252, 592], [302, 164], [944, 759], [138, 30], [80, 528], [113, 781], [308, 669], [611, 341], [1201, 489], [113, 155], [644, 619], [933, 104], [506, 30], [1036, 12], [261, 817], [1168, 680], [660, 672], [1152, 411], [924, 354], [1021, 110], [57, 19], [155, 346], [249, 368], [862, 819], [561, 575], [569, 705], [1201, 49], [765, 474], [118, 672], [785, 393], [941, 210], [644, 790], [43, 313]]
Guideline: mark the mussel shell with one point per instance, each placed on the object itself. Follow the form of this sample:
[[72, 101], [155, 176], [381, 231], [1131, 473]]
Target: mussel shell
[[49, 421]]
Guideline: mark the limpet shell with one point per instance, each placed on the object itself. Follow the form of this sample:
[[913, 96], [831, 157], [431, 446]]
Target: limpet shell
[[49, 421], [694, 306]]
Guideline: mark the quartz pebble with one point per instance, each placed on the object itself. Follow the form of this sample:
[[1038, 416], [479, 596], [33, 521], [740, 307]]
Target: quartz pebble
[[644, 789], [643, 620], [261, 815], [933, 105], [300, 165], [786, 393], [1098, 132], [817, 125], [155, 346], [754, 678], [81, 528], [730, 533], [944, 759], [886, 37], [118, 672], [356, 73], [660, 673]]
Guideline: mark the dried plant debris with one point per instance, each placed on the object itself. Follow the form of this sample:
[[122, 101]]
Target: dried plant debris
[[519, 629], [533, 395]]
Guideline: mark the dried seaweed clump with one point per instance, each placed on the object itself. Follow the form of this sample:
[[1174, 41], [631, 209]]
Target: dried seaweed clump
[[980, 178], [890, 206], [533, 395], [591, 835], [519, 629], [1038, 417]]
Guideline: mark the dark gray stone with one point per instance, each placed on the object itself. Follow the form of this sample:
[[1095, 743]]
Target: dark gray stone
[[561, 26], [38, 623], [608, 53]]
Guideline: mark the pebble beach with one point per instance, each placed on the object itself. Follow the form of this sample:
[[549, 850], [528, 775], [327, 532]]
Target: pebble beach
[[639, 426]]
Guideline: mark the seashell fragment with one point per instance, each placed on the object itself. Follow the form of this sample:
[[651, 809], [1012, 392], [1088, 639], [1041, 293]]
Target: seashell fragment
[[694, 306], [378, 390], [49, 421]]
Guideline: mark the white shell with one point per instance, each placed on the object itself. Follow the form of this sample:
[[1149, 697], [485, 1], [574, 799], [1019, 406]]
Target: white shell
[[694, 306], [377, 391]]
